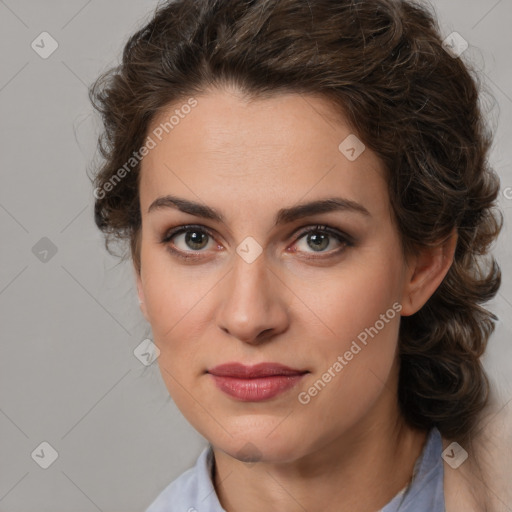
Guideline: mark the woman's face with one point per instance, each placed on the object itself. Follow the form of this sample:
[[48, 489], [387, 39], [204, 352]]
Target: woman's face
[[255, 290]]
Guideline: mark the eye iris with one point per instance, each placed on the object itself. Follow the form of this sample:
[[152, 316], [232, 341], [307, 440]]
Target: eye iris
[[320, 240], [193, 239]]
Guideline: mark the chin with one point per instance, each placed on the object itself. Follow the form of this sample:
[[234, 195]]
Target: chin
[[256, 445]]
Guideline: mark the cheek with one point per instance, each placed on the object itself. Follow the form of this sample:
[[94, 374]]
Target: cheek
[[173, 293], [355, 332], [352, 370], [176, 301], [345, 300]]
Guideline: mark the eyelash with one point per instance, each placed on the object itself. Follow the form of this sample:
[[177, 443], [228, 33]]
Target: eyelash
[[345, 239]]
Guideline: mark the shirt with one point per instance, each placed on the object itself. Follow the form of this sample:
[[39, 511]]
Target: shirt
[[193, 490]]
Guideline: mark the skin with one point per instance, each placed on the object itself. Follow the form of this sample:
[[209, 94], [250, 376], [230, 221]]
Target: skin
[[348, 448]]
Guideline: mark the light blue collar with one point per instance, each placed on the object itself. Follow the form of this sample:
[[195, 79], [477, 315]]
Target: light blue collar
[[426, 491]]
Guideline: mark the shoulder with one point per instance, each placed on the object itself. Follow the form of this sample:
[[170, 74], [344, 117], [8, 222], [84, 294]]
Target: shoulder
[[482, 481], [192, 490]]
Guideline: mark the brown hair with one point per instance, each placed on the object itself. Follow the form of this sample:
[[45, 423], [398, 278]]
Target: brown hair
[[383, 66]]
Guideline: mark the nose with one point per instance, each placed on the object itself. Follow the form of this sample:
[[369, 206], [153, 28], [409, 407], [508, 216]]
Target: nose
[[253, 307]]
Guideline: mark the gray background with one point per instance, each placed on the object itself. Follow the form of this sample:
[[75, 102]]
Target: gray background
[[70, 321]]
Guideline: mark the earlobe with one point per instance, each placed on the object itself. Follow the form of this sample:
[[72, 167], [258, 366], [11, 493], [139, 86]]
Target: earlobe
[[426, 272]]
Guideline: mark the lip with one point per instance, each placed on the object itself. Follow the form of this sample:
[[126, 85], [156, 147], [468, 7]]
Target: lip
[[242, 371], [255, 383]]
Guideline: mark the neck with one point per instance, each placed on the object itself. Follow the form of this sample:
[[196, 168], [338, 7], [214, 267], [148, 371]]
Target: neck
[[363, 469]]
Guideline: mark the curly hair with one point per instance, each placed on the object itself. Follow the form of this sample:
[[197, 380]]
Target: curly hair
[[383, 65]]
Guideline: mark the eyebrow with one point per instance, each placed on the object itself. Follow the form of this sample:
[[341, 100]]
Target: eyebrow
[[283, 216]]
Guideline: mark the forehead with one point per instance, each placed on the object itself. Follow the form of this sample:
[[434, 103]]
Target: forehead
[[284, 147], [223, 121]]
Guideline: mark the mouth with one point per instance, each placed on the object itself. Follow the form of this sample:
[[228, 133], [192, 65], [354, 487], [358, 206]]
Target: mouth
[[255, 383]]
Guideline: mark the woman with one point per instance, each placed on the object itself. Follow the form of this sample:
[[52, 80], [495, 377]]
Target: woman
[[306, 195]]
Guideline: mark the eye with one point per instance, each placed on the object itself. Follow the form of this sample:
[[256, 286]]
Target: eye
[[320, 238], [188, 239]]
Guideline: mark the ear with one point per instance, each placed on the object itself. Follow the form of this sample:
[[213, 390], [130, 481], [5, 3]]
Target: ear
[[425, 272], [140, 293]]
